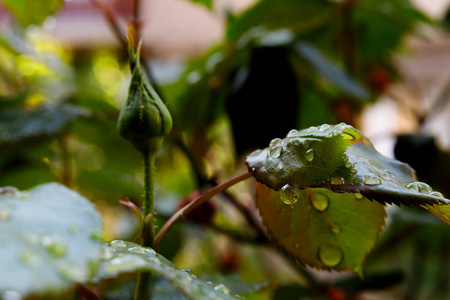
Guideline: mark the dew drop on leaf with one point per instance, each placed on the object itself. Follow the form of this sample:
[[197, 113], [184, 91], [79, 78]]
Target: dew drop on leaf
[[292, 133], [324, 127], [330, 255], [311, 129], [372, 180], [319, 201], [222, 288], [419, 187], [337, 181], [436, 194], [4, 215], [187, 271], [289, 194], [275, 152], [349, 165], [309, 155], [274, 142], [137, 250], [358, 196], [386, 176], [28, 257], [118, 244]]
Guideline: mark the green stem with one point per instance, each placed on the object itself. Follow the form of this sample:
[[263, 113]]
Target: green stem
[[66, 170], [147, 230], [196, 202]]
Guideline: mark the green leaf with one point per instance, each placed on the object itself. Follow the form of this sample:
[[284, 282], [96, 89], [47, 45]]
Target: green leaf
[[206, 3], [236, 284], [18, 125], [32, 11], [330, 71], [322, 229], [45, 239], [340, 166], [124, 257]]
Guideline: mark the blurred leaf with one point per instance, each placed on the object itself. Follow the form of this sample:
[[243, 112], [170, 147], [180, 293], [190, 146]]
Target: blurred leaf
[[32, 11], [45, 239], [206, 3], [330, 71], [235, 283], [337, 158], [372, 281], [322, 229], [299, 16], [19, 125], [440, 211], [124, 257], [292, 292]]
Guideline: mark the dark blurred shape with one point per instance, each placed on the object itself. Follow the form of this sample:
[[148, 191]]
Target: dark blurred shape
[[431, 164], [204, 213], [263, 102], [374, 281]]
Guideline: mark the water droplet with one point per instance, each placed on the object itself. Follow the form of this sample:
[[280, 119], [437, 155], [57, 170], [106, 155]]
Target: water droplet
[[337, 181], [372, 180], [324, 127], [419, 187], [29, 257], [349, 165], [309, 155], [311, 129], [319, 201], [437, 194], [137, 250], [289, 194], [335, 229], [73, 229], [292, 133], [386, 176], [4, 215], [55, 247], [275, 152], [364, 161], [71, 273], [274, 142], [353, 170], [358, 196], [330, 255], [222, 288], [118, 244], [188, 271]]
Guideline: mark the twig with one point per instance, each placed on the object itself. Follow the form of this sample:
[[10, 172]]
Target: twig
[[66, 170], [86, 292], [196, 202]]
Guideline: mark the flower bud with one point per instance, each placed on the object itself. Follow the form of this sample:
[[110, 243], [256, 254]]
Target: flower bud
[[144, 119]]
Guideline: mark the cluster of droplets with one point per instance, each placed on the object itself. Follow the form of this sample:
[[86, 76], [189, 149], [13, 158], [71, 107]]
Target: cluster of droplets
[[423, 188]]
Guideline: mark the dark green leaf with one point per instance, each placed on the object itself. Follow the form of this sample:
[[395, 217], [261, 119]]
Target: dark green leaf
[[45, 239], [340, 166], [18, 125], [206, 3], [124, 257], [32, 11], [330, 71], [322, 229]]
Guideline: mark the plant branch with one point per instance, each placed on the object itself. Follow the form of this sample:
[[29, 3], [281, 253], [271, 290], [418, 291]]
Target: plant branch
[[137, 7], [66, 170], [86, 292], [196, 202]]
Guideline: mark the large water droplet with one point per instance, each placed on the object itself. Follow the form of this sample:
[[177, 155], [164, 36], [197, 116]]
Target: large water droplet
[[187, 271], [372, 180], [319, 201], [292, 133], [275, 152], [324, 127], [330, 255], [137, 250], [437, 194], [54, 246], [222, 288], [309, 155], [311, 129], [419, 187], [118, 244], [358, 196], [4, 215], [289, 194], [337, 181], [274, 142]]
